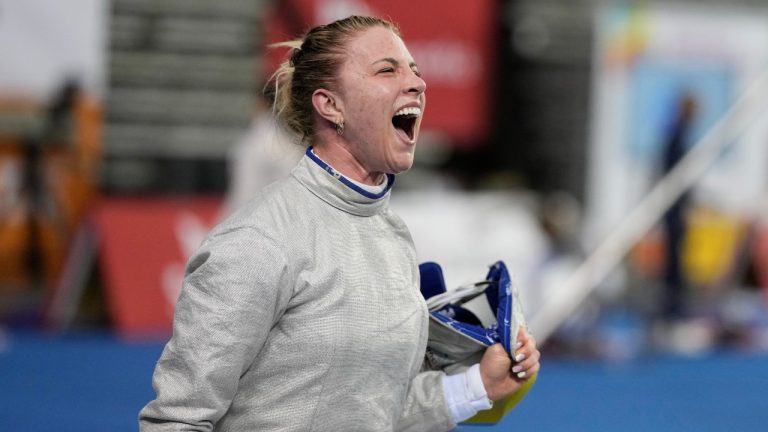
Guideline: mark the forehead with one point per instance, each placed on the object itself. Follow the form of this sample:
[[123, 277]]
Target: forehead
[[374, 44]]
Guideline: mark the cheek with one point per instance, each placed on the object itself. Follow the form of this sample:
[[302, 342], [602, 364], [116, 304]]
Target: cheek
[[373, 120]]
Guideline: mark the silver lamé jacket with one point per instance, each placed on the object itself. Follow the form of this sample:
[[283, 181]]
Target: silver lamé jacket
[[301, 312]]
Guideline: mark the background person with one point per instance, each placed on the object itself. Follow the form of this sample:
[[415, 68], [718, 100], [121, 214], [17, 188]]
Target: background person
[[263, 154], [674, 220]]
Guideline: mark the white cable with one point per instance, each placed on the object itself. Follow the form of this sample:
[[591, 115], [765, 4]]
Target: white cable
[[457, 295]]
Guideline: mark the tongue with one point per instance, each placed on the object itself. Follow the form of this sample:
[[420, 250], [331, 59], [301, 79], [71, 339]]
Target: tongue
[[402, 134]]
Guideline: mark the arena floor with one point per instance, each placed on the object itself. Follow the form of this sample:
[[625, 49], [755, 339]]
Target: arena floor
[[94, 382]]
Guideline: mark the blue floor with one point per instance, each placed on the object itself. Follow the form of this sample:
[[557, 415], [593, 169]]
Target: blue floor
[[93, 382]]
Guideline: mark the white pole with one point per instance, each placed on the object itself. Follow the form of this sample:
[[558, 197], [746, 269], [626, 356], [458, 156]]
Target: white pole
[[650, 209]]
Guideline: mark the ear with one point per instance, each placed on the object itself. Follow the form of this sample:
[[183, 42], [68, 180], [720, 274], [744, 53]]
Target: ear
[[325, 103]]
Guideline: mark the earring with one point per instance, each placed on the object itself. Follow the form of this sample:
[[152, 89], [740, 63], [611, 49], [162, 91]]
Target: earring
[[340, 127]]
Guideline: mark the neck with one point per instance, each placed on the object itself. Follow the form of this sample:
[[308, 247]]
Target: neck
[[337, 155]]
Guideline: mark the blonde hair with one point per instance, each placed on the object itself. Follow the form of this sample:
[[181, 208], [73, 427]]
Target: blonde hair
[[313, 62]]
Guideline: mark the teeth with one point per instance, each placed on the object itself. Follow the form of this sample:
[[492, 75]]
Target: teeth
[[415, 111]]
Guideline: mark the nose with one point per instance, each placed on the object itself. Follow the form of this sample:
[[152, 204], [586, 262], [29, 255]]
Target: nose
[[416, 84]]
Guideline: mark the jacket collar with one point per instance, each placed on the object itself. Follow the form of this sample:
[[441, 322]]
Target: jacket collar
[[334, 188]]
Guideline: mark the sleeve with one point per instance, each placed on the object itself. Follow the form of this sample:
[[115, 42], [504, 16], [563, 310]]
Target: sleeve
[[236, 287], [426, 408], [465, 394]]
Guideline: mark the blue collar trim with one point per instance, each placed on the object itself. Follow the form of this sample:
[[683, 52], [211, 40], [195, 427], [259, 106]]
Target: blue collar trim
[[339, 176]]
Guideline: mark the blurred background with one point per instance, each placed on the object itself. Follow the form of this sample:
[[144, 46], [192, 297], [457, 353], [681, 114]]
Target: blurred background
[[613, 153]]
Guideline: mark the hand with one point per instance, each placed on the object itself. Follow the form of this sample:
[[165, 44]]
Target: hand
[[502, 375]]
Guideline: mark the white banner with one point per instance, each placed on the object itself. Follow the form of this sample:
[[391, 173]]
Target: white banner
[[43, 43], [650, 61]]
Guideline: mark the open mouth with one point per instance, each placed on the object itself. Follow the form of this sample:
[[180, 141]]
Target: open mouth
[[405, 121]]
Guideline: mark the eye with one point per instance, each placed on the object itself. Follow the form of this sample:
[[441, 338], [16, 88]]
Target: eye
[[387, 70], [416, 72]]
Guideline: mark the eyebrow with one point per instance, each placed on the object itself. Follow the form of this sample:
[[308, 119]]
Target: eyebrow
[[395, 63]]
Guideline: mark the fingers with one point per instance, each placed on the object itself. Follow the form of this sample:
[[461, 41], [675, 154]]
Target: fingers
[[528, 364], [526, 345], [524, 336], [526, 356], [502, 375]]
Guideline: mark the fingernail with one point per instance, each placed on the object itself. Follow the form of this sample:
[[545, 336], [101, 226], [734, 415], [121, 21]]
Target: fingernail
[[518, 345], [517, 369], [521, 375], [520, 357]]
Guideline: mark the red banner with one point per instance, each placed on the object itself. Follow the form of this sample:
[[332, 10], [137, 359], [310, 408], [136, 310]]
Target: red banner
[[143, 247], [451, 40]]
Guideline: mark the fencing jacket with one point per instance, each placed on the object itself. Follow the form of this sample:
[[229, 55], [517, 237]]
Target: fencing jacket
[[301, 312]]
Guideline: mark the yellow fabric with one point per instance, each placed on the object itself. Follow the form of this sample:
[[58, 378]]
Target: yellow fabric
[[502, 407], [711, 244]]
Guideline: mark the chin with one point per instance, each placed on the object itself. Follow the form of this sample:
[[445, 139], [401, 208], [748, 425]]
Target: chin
[[403, 165]]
